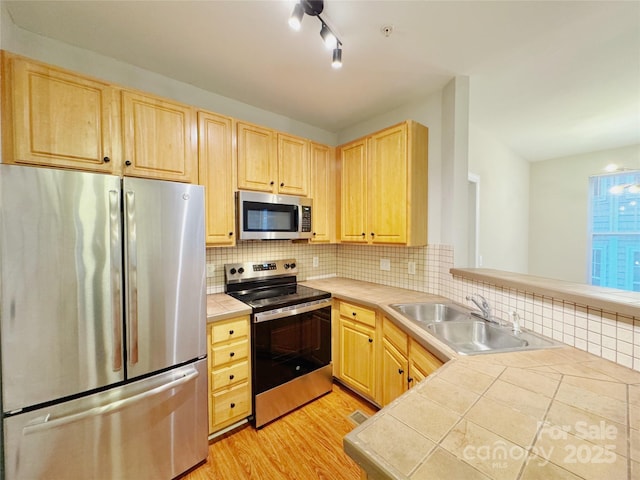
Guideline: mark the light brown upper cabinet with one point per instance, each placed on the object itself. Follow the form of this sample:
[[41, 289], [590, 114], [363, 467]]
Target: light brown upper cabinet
[[216, 161], [353, 192], [323, 192], [384, 187], [53, 117], [272, 162], [159, 138]]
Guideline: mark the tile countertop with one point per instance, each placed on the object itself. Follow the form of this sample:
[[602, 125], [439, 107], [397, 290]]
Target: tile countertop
[[221, 306], [544, 414]]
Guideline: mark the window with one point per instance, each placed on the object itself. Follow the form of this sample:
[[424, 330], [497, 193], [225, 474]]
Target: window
[[614, 230]]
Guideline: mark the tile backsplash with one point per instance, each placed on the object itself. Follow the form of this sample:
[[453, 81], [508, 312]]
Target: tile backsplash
[[606, 334]]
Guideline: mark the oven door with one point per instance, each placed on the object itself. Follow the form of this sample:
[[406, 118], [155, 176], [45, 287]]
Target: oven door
[[289, 343]]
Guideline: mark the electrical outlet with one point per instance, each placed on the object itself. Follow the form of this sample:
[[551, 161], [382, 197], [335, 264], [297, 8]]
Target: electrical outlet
[[385, 264], [411, 268], [211, 270], [316, 262]]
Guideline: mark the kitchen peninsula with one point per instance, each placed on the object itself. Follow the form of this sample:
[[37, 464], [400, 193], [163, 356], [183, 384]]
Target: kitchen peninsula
[[558, 413]]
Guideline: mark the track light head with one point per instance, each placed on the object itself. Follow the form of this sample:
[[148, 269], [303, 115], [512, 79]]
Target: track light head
[[295, 20], [337, 57], [329, 39], [312, 7]]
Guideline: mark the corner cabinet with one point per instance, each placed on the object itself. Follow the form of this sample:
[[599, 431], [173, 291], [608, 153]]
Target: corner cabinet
[[323, 191], [229, 372], [53, 117], [356, 362], [384, 187], [159, 138], [273, 162], [216, 163], [404, 362]]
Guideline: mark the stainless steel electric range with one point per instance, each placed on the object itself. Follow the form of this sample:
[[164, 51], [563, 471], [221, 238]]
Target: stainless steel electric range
[[290, 336]]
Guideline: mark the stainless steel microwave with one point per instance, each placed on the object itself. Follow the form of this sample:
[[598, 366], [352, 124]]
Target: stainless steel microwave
[[266, 216]]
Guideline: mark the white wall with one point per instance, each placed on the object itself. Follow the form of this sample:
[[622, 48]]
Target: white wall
[[504, 202], [559, 210], [22, 42]]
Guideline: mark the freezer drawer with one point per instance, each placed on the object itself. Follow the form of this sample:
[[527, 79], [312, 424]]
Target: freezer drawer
[[154, 428]]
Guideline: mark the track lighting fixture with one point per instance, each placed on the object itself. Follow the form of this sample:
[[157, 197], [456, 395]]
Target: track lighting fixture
[[314, 8]]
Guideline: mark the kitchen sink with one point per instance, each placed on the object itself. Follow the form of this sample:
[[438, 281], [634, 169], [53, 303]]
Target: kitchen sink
[[432, 312], [459, 328], [475, 337]]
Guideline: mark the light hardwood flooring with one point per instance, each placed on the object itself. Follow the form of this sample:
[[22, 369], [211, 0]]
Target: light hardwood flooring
[[303, 445]]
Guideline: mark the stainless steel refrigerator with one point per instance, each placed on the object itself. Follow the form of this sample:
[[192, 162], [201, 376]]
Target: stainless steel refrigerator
[[103, 312]]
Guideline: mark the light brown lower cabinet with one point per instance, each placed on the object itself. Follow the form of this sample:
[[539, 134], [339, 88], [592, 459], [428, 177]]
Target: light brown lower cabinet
[[229, 372], [374, 357]]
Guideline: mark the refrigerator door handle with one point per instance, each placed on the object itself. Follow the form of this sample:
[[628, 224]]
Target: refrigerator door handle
[[45, 422], [116, 277], [132, 276]]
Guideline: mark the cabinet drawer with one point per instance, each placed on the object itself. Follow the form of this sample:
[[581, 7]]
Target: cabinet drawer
[[394, 335], [360, 314], [229, 330], [234, 402], [225, 376], [229, 353]]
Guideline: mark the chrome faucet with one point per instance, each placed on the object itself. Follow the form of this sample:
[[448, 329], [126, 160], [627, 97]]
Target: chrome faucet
[[483, 305]]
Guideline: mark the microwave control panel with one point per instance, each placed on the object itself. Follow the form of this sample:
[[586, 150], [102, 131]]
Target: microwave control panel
[[306, 219]]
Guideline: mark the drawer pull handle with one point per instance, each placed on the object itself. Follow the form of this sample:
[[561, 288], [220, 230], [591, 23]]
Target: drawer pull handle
[[231, 332], [371, 340], [354, 314], [231, 377], [409, 379], [233, 405], [400, 371], [232, 354]]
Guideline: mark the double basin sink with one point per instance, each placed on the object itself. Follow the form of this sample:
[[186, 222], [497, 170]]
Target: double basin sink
[[467, 334]]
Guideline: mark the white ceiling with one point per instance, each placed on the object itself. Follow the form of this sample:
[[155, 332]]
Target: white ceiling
[[547, 78]]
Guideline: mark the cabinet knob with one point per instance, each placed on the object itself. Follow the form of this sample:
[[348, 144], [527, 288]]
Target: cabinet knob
[[373, 234], [371, 340], [353, 313], [232, 354], [314, 234], [272, 182], [231, 234], [233, 405], [409, 380], [127, 163], [231, 332], [231, 377], [364, 234], [282, 184], [400, 371], [106, 159]]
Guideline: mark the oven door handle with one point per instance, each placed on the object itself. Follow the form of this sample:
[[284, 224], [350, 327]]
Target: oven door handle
[[290, 311]]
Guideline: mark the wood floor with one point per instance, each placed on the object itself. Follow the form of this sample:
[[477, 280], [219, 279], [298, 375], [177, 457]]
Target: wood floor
[[303, 445]]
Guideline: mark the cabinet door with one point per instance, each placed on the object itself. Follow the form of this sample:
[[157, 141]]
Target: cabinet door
[[256, 158], [159, 138], [353, 193], [394, 373], [388, 186], [58, 119], [216, 173], [357, 356], [422, 363], [293, 165], [323, 185]]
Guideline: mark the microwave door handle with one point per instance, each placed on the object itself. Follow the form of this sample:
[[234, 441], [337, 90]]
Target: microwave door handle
[[116, 277], [132, 276]]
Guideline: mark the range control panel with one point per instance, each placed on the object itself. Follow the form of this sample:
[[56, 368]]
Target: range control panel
[[239, 272]]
